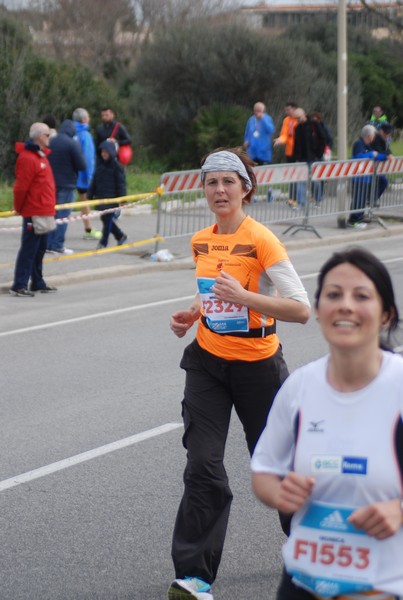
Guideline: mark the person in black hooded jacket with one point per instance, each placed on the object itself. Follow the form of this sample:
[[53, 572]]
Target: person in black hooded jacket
[[66, 159], [109, 181]]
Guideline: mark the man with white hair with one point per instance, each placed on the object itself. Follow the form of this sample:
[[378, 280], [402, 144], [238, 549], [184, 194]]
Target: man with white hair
[[258, 134], [34, 196], [81, 119], [361, 189]]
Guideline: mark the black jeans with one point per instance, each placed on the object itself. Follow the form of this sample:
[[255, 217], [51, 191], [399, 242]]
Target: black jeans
[[110, 227], [292, 189], [30, 257], [361, 194], [213, 387]]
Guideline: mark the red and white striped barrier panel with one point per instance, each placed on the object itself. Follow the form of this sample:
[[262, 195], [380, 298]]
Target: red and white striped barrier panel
[[181, 181], [342, 169], [185, 181], [277, 174], [394, 165]]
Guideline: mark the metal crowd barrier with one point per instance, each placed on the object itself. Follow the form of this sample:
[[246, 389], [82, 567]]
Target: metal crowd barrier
[[183, 210], [292, 193], [344, 187]]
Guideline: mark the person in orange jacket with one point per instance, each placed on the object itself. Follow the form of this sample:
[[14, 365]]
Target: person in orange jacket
[[287, 138]]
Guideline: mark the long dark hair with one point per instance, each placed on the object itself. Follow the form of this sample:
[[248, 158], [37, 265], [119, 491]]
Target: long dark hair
[[376, 271]]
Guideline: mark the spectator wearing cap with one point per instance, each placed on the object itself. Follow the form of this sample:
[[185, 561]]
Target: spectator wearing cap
[[381, 144]]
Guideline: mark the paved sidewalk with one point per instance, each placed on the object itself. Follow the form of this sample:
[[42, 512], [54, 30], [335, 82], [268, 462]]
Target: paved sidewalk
[[139, 224]]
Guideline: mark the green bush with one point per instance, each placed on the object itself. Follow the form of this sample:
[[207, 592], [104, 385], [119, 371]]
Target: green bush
[[218, 125], [33, 86], [190, 79]]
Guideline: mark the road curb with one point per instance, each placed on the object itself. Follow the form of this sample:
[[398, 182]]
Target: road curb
[[348, 237]]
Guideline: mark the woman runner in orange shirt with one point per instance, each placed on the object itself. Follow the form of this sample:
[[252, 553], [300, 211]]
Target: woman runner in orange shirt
[[245, 283]]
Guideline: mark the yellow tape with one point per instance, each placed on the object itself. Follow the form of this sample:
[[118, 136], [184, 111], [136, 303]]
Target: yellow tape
[[120, 199], [81, 203], [156, 238]]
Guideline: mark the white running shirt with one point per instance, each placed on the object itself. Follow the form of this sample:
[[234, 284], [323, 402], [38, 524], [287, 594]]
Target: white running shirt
[[351, 443]]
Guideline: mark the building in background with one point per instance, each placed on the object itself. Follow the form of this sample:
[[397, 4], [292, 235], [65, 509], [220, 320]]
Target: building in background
[[280, 14]]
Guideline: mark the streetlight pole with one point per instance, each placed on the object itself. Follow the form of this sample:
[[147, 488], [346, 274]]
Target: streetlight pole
[[341, 99]]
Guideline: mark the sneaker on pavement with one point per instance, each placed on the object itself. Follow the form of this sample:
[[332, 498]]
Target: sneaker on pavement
[[47, 289], [22, 292], [65, 251], [359, 225], [190, 587], [94, 234], [122, 240]]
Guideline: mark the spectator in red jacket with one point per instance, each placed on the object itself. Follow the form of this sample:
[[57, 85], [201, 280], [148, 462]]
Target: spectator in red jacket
[[34, 195]]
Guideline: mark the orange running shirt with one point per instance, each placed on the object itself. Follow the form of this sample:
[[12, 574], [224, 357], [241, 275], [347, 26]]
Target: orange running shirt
[[287, 135], [245, 254]]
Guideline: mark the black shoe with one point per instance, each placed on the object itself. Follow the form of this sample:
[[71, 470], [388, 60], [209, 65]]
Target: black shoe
[[21, 292], [122, 240], [47, 289]]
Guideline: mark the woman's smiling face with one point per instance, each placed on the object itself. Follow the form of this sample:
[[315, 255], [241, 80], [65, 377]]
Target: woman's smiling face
[[350, 310]]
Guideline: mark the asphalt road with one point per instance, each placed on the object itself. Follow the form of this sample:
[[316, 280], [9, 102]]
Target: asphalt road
[[94, 369]]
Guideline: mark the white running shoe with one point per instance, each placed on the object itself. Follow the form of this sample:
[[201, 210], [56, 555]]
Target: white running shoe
[[65, 251], [190, 587]]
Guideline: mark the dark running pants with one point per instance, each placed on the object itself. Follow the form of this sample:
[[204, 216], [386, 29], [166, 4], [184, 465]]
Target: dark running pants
[[213, 386], [110, 227]]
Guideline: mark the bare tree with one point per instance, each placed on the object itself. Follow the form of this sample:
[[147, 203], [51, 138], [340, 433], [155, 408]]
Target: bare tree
[[154, 14], [385, 14], [79, 30], [106, 39]]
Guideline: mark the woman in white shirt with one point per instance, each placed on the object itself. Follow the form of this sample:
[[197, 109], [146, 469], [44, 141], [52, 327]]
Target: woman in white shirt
[[331, 454]]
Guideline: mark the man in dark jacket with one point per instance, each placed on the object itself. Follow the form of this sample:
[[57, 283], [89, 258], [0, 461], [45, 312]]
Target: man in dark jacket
[[309, 137], [309, 145], [66, 160], [381, 144], [34, 195], [110, 129]]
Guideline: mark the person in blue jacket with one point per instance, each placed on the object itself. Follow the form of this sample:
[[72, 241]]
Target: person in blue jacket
[[361, 190], [109, 181], [66, 159], [258, 134], [81, 120]]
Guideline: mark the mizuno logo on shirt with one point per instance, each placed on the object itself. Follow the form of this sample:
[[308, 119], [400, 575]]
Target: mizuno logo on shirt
[[314, 426]]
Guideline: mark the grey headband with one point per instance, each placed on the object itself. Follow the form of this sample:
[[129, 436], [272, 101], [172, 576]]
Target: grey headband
[[226, 161]]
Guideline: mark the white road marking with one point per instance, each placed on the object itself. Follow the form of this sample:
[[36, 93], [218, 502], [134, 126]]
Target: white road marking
[[6, 484], [118, 311], [100, 315]]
